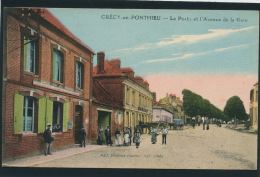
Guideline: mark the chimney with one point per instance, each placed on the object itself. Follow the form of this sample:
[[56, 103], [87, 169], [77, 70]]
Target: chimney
[[116, 62], [146, 84], [100, 62], [128, 72], [139, 79]]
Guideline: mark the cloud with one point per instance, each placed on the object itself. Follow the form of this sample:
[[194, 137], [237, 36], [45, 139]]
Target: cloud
[[214, 33], [195, 54], [140, 48], [186, 39]]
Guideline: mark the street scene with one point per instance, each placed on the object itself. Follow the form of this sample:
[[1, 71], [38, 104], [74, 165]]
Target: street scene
[[130, 88], [216, 148]]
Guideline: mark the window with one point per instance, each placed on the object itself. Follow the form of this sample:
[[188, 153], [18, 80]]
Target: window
[[30, 61], [133, 96], [28, 114], [57, 65], [127, 95], [57, 116], [140, 100], [79, 74]]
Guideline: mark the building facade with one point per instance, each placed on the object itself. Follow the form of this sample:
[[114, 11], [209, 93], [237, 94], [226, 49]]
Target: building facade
[[106, 111], [162, 114], [131, 91], [174, 104], [47, 80], [254, 107]]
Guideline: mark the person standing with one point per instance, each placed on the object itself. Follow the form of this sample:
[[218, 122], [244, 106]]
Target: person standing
[[193, 122], [100, 135], [48, 140], [126, 137], [207, 126], [164, 134], [130, 135], [154, 134], [118, 141], [108, 136], [137, 136], [83, 134]]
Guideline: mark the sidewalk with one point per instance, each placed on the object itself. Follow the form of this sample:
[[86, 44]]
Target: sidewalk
[[241, 128], [37, 159]]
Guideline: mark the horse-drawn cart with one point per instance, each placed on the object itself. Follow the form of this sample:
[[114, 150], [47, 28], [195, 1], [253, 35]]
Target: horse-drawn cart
[[178, 123]]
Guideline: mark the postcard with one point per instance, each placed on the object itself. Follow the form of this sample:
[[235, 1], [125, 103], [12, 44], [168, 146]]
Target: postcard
[[130, 88]]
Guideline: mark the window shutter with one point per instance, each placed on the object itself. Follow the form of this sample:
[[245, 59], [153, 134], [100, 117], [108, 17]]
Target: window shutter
[[18, 113], [25, 53], [54, 65], [49, 112], [65, 116], [42, 114]]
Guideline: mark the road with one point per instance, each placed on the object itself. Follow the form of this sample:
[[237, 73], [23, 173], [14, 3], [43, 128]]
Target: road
[[216, 148]]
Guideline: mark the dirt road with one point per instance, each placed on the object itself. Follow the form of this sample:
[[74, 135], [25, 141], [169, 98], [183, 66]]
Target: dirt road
[[216, 148]]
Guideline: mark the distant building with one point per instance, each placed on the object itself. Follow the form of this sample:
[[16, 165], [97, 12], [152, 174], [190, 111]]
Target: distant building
[[47, 78], [254, 107], [162, 114], [173, 104], [130, 91]]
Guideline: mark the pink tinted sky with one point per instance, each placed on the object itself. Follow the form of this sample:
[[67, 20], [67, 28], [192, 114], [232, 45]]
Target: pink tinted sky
[[216, 88]]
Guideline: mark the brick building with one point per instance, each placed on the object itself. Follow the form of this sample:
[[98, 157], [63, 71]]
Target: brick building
[[130, 91], [106, 110], [47, 80]]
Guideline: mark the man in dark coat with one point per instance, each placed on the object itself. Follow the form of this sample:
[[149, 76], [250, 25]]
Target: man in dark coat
[[130, 135], [48, 139], [83, 134], [108, 136]]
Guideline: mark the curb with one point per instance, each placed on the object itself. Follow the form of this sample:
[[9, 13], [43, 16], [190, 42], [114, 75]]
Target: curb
[[37, 159]]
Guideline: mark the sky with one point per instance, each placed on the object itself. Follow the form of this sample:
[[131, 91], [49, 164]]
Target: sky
[[212, 53]]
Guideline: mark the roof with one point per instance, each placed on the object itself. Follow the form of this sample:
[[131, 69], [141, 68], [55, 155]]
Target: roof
[[127, 69], [47, 15], [112, 68], [109, 68], [161, 107], [102, 96]]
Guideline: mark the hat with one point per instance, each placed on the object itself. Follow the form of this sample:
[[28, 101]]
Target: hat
[[48, 125]]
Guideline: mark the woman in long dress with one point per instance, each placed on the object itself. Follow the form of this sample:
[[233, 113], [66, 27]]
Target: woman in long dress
[[100, 135], [126, 137], [118, 141], [154, 134], [137, 136]]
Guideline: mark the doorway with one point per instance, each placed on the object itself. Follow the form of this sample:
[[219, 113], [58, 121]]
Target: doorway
[[104, 119], [78, 122]]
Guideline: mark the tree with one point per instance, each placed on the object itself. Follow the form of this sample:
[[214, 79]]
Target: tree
[[191, 103], [194, 104], [235, 108]]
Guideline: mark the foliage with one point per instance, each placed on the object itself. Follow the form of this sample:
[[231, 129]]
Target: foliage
[[235, 108], [194, 104]]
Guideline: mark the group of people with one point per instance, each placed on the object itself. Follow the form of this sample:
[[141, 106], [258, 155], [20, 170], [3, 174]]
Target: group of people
[[48, 138], [127, 137], [154, 133], [204, 123]]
